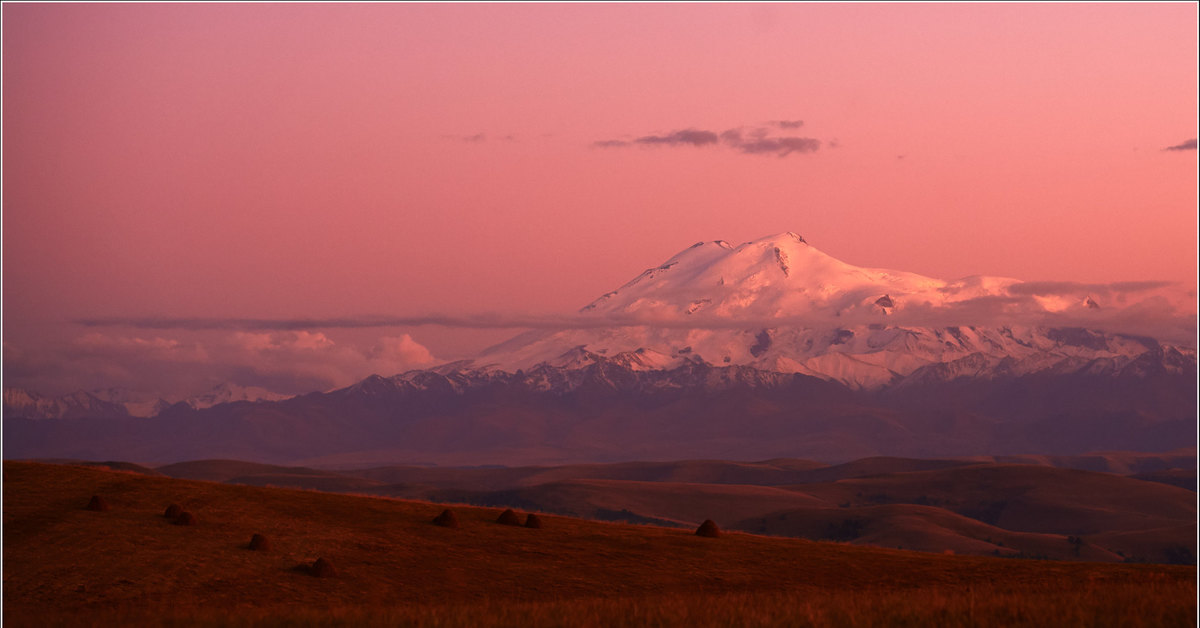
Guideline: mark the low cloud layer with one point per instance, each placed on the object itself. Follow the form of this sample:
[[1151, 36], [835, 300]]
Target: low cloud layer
[[1185, 145], [1067, 288], [294, 355], [1143, 307], [181, 364], [756, 140]]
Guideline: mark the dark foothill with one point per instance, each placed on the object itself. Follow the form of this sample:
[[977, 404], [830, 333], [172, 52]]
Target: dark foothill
[[98, 504], [259, 543], [173, 511], [185, 519], [533, 521]]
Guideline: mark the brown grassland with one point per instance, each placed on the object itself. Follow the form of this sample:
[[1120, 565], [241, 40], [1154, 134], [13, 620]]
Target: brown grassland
[[65, 565]]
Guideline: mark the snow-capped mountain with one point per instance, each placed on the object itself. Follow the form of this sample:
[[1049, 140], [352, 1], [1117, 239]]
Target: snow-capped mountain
[[19, 402], [779, 304], [228, 393], [138, 405], [764, 350]]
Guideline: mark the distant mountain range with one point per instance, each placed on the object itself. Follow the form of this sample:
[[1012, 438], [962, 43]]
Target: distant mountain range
[[768, 349], [118, 402]]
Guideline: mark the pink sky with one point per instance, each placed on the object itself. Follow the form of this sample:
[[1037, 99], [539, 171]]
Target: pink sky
[[279, 160]]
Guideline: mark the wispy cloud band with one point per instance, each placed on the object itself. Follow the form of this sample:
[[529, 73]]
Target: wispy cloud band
[[756, 140], [1151, 316]]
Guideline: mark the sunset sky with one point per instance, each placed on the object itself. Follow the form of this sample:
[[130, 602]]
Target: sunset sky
[[292, 161]]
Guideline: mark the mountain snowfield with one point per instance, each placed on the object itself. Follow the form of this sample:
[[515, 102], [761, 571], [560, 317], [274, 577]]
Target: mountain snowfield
[[779, 304]]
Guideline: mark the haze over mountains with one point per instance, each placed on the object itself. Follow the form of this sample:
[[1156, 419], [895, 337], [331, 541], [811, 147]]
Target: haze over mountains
[[768, 349]]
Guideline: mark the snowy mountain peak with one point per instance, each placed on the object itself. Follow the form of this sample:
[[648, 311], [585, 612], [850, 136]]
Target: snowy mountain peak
[[226, 392], [780, 304], [776, 276], [787, 237]]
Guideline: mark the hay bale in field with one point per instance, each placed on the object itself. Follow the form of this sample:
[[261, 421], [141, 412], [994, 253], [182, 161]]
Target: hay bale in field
[[173, 511], [708, 529], [259, 543], [185, 518], [97, 504], [533, 521], [509, 518], [446, 519], [322, 568]]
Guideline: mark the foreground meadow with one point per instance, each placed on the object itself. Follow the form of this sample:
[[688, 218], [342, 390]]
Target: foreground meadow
[[66, 565]]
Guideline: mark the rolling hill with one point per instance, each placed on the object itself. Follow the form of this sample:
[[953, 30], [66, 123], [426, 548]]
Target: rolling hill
[[64, 563]]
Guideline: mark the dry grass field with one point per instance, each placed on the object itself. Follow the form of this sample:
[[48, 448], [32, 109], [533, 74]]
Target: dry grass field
[[65, 565]]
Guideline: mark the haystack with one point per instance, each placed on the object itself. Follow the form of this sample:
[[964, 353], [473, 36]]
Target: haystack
[[533, 521], [173, 511], [185, 518], [259, 543], [708, 529], [446, 519], [98, 504], [509, 518], [322, 569]]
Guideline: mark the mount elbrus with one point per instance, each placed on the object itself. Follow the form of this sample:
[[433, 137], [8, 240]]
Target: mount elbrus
[[767, 349], [780, 305]]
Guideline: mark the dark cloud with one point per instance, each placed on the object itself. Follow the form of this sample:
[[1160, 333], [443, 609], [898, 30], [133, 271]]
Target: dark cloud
[[782, 146], [479, 138], [1187, 145], [746, 140], [692, 137]]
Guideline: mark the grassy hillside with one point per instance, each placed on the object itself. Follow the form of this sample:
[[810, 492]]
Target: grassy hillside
[[976, 506], [678, 503], [66, 564], [934, 529], [1024, 498], [766, 473]]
